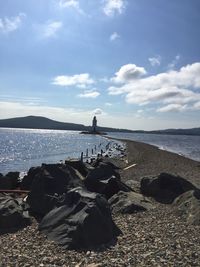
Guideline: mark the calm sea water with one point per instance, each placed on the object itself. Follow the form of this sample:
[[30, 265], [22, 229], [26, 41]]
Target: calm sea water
[[21, 149], [185, 145]]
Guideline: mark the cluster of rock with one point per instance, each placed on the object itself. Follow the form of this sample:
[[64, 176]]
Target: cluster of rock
[[74, 201], [70, 201]]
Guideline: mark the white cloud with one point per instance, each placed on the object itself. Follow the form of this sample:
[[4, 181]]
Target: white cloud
[[112, 7], [155, 61], [114, 36], [79, 80], [50, 29], [172, 108], [11, 24], [174, 62], [98, 111], [89, 94], [70, 4], [128, 73], [173, 87]]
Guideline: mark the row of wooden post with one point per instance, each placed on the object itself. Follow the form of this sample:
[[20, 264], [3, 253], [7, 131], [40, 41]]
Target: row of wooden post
[[95, 149]]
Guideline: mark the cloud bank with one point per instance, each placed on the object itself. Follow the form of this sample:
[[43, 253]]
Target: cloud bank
[[174, 88]]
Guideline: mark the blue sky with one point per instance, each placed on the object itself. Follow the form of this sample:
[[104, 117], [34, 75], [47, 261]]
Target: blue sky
[[133, 63]]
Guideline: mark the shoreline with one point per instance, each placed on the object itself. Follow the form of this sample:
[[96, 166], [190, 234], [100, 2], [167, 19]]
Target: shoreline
[[161, 147], [150, 160]]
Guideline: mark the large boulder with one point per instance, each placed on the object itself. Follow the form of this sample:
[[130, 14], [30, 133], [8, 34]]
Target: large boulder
[[9, 181], [165, 187], [27, 181], [129, 202], [105, 180], [188, 206], [83, 222], [49, 183], [79, 165], [12, 214]]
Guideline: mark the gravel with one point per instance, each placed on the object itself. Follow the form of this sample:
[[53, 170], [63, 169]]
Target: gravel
[[153, 238]]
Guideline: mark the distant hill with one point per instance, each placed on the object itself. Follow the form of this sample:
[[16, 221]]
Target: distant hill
[[37, 122], [192, 131]]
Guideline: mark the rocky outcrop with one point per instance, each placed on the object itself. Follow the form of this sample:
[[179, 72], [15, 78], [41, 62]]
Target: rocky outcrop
[[129, 202], [9, 181], [105, 180], [165, 187], [12, 214], [50, 182], [83, 222], [188, 206]]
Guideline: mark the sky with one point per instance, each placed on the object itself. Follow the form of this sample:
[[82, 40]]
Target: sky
[[135, 64]]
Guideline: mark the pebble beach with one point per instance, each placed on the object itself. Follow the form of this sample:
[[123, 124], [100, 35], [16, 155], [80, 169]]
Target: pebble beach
[[158, 237]]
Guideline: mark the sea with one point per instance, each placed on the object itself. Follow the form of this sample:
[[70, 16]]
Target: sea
[[21, 149]]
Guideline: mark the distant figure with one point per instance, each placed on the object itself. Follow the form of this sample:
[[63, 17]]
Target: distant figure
[[94, 124]]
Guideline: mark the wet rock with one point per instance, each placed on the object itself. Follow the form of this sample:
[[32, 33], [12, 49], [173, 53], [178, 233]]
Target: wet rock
[[83, 222], [129, 202], [12, 214], [188, 206], [105, 180], [49, 183], [165, 187]]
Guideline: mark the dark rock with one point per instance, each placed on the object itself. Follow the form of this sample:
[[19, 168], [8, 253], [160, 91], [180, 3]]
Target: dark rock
[[12, 214], [49, 183], [129, 202], [84, 221], [97, 162], [26, 182], [78, 165], [165, 187], [105, 180], [188, 206], [9, 181], [5, 183], [14, 178]]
